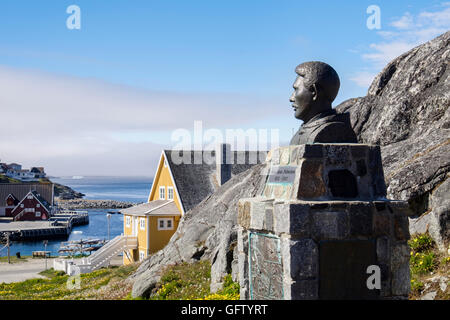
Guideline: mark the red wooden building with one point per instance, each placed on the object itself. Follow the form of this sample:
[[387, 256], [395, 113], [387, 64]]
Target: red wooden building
[[31, 207], [24, 201]]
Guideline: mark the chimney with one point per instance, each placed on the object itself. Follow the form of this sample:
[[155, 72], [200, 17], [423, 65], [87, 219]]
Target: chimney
[[223, 162]]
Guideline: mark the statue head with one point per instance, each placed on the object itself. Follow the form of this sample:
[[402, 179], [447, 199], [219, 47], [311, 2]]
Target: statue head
[[315, 88]]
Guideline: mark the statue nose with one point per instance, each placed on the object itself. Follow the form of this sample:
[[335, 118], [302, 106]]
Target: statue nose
[[291, 98]]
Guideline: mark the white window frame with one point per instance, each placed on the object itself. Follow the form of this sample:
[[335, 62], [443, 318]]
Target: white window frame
[[38, 205], [169, 193], [141, 255], [164, 221], [38, 214], [142, 223], [127, 221], [162, 195], [22, 205]]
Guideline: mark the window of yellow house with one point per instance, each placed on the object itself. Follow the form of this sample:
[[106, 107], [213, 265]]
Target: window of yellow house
[[141, 255], [162, 193], [142, 223], [127, 221], [165, 224], [169, 193]]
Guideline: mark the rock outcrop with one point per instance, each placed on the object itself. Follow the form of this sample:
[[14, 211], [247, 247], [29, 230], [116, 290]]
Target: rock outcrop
[[208, 231], [66, 193], [405, 111]]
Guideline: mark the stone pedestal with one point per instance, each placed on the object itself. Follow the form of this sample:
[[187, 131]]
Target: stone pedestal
[[320, 227]]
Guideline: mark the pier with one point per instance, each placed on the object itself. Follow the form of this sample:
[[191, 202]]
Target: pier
[[59, 226]]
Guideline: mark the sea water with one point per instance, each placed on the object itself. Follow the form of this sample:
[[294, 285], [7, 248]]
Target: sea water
[[129, 189]]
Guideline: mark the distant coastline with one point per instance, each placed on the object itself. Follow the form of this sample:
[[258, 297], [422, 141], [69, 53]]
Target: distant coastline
[[68, 198], [123, 191], [66, 193]]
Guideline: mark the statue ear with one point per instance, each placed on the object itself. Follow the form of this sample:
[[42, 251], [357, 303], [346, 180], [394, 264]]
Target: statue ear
[[315, 92]]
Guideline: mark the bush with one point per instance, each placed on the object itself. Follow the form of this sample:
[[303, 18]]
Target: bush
[[192, 281], [184, 281], [230, 291], [421, 243], [421, 263], [423, 259]]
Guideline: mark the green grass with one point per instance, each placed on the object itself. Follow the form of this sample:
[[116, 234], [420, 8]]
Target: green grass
[[191, 281], [50, 273], [105, 284], [230, 291], [426, 261], [14, 259], [5, 179], [423, 258]]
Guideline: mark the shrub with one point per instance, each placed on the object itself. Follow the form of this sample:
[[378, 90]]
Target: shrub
[[230, 291], [421, 243], [423, 259]]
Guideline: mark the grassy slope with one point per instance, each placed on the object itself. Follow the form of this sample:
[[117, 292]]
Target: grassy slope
[[59, 188], [5, 179], [427, 262], [191, 281], [14, 259], [179, 282], [104, 284]]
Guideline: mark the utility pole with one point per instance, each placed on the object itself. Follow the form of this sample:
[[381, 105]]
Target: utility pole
[[45, 253], [7, 244], [108, 216]]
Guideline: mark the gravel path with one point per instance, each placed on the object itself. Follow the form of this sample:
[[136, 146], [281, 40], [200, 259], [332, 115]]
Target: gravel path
[[21, 271]]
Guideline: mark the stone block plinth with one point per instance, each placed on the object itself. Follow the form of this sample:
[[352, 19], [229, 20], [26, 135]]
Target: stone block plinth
[[321, 226]]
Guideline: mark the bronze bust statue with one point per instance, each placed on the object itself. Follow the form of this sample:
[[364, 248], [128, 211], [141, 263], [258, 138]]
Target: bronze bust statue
[[315, 88]]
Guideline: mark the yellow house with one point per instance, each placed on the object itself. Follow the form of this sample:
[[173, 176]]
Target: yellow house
[[153, 224], [182, 180]]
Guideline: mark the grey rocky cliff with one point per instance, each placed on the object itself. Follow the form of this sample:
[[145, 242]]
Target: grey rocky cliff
[[208, 231], [405, 111]]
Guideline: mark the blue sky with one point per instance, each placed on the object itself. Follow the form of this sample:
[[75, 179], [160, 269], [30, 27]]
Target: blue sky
[[109, 89]]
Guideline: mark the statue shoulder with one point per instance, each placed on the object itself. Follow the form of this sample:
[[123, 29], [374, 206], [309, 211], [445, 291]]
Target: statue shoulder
[[335, 132]]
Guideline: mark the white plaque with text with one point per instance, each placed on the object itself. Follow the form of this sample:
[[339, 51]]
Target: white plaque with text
[[282, 175]]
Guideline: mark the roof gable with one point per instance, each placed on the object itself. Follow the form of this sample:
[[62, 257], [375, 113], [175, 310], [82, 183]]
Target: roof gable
[[153, 208], [20, 190], [161, 165], [11, 196], [195, 182], [44, 204]]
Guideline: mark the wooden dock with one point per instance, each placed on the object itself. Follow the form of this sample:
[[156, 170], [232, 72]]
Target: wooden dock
[[81, 246], [59, 226]]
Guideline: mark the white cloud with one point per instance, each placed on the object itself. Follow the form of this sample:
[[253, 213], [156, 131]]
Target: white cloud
[[408, 31], [84, 126], [363, 78], [384, 52], [404, 22]]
